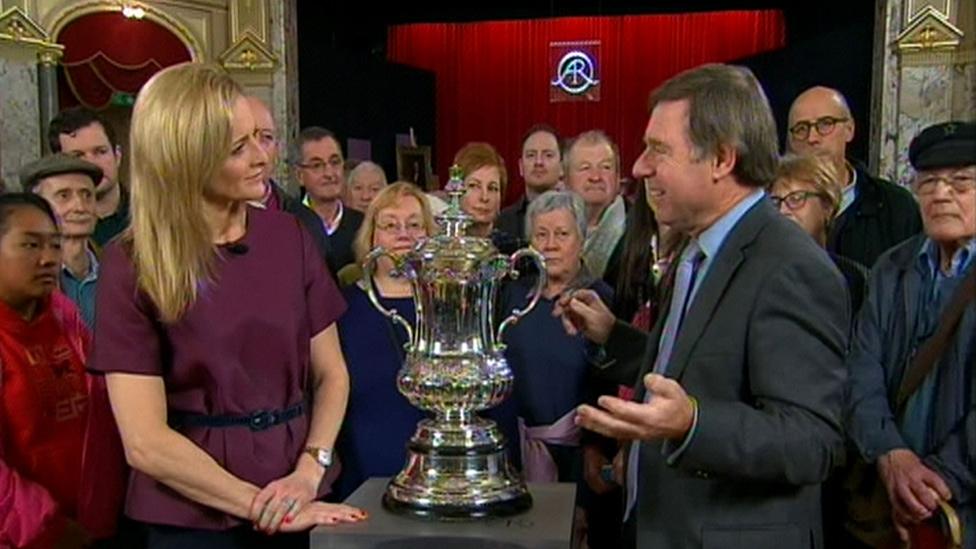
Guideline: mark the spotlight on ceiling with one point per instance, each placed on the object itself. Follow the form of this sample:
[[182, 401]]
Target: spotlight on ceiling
[[133, 12]]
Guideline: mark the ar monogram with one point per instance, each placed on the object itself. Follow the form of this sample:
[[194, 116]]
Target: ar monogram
[[575, 73]]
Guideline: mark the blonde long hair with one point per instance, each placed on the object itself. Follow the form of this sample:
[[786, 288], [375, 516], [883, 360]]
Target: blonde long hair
[[179, 139], [386, 198]]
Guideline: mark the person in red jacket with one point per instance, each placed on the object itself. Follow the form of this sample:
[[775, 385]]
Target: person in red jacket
[[45, 400]]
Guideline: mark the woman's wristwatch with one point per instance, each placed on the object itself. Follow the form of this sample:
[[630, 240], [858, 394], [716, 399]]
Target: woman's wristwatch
[[322, 456]]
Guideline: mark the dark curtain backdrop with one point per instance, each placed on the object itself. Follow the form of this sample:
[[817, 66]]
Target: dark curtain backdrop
[[492, 77], [106, 53], [362, 97]]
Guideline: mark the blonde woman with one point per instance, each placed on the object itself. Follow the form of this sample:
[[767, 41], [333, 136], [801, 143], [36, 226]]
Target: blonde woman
[[808, 191], [215, 321], [379, 420]]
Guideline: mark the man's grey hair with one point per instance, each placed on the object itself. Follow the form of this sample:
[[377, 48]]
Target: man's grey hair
[[727, 107], [551, 201], [363, 168], [590, 137]]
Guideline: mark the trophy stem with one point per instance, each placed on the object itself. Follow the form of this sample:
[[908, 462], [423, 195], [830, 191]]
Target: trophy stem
[[462, 417]]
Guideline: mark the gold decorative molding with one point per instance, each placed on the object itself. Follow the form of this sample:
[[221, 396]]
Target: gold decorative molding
[[248, 53], [929, 32], [50, 57], [915, 8], [156, 15], [16, 27], [249, 16]]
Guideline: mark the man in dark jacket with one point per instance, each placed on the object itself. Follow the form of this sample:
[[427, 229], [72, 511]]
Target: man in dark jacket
[[540, 166], [730, 445], [874, 214], [275, 197], [925, 449], [318, 157]]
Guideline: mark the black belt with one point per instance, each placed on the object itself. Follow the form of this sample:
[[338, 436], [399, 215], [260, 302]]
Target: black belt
[[255, 421]]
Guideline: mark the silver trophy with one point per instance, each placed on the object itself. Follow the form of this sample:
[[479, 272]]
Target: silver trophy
[[456, 466]]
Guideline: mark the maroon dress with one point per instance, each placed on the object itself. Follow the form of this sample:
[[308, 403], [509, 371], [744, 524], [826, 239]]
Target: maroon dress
[[243, 346]]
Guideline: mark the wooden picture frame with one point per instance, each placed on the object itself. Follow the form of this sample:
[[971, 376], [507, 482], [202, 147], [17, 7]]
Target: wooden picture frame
[[413, 165]]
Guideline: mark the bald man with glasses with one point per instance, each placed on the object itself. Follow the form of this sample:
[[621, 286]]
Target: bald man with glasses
[[875, 214]]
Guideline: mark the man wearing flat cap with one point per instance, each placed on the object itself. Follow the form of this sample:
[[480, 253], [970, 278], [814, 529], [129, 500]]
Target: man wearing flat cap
[[68, 184], [913, 381]]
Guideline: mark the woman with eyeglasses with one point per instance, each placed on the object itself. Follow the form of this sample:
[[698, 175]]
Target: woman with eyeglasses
[[808, 191], [379, 420]]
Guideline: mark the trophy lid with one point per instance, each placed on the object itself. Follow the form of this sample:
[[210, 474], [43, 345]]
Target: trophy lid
[[452, 245], [454, 220]]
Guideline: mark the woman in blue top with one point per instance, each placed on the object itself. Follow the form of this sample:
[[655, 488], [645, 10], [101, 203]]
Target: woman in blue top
[[379, 420], [550, 366]]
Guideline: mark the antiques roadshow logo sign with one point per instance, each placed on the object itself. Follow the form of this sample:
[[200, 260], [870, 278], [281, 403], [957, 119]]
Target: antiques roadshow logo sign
[[574, 69]]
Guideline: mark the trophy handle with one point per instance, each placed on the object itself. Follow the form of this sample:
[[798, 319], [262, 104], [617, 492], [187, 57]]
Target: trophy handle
[[369, 267], [540, 284]]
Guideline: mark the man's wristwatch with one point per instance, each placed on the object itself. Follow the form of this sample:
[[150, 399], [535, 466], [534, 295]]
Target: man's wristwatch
[[322, 456]]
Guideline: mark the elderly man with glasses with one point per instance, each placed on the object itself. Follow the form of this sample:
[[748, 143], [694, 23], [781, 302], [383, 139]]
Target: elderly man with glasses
[[874, 214], [913, 385]]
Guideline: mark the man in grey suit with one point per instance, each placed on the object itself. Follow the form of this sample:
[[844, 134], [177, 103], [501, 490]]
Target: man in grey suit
[[737, 415]]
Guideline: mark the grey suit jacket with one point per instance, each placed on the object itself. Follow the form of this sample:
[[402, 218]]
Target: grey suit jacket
[[762, 349]]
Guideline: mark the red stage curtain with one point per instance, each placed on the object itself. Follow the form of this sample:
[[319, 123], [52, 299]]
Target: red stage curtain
[[106, 52], [492, 77]]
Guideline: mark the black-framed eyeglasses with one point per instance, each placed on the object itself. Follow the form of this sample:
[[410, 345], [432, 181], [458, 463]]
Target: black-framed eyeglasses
[[794, 200], [824, 125]]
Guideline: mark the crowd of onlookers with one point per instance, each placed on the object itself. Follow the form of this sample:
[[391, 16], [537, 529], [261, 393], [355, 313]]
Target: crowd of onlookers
[[241, 382]]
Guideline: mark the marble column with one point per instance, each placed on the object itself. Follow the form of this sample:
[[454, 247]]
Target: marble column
[[964, 91], [887, 79], [19, 113], [926, 98], [47, 91], [283, 38]]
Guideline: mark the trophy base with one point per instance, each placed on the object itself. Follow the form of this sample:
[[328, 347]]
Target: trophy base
[[469, 479], [434, 512]]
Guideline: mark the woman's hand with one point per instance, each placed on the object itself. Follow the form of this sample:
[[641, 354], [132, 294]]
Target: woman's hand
[[327, 514], [282, 500]]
